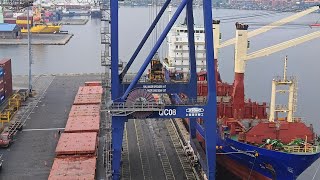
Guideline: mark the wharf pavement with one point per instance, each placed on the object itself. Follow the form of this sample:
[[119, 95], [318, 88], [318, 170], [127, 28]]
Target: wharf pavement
[[153, 152], [33, 151]]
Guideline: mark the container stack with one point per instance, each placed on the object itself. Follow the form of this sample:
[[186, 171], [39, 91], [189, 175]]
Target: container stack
[[76, 151], [6, 79], [22, 21], [93, 83], [2, 97]]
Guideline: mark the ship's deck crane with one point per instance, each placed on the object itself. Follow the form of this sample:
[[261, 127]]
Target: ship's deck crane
[[218, 45], [241, 57], [272, 25]]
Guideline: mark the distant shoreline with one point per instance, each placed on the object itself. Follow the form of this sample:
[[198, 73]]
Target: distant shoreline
[[241, 7]]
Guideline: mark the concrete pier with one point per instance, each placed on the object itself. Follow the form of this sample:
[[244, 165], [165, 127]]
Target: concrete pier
[[39, 39], [74, 21]]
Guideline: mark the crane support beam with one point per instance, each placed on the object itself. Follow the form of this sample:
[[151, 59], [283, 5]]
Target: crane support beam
[[281, 46], [272, 25], [155, 48]]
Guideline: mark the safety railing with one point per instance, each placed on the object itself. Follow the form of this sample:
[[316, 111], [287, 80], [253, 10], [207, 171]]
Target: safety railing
[[124, 109], [301, 149]]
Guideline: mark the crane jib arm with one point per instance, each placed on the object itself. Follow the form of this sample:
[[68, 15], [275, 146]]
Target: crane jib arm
[[272, 25], [281, 46]]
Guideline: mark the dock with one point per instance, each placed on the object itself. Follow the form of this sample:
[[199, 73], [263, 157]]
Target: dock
[[39, 39], [73, 21], [151, 149], [32, 153]]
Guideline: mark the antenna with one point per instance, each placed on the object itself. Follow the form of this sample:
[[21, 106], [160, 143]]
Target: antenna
[[169, 11], [285, 69]]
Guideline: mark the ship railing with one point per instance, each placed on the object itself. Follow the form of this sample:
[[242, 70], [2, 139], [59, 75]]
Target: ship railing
[[106, 82], [281, 107], [105, 39], [299, 149], [298, 119], [105, 30], [129, 78], [105, 6], [105, 16], [192, 101], [288, 79], [105, 58], [181, 42], [124, 109]]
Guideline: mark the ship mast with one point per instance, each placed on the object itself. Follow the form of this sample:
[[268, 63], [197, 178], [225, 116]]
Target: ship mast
[[290, 108]]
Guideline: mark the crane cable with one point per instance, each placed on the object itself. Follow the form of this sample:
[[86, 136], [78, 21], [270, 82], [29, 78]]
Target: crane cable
[[255, 158]]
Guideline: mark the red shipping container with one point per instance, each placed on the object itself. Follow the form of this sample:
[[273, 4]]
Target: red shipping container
[[77, 144], [90, 90], [87, 99], [85, 110], [92, 83], [24, 17], [82, 124], [6, 65], [9, 20], [67, 168]]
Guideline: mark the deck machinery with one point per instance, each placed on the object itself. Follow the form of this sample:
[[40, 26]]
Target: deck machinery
[[135, 100]]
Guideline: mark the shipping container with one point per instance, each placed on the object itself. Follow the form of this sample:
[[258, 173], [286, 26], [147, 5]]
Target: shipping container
[[82, 124], [68, 168], [24, 17], [5, 64], [7, 14], [9, 20], [77, 144], [85, 110], [92, 83], [23, 22], [90, 90], [87, 99]]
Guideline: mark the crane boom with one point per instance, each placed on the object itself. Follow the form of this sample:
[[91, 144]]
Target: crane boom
[[281, 46], [272, 25]]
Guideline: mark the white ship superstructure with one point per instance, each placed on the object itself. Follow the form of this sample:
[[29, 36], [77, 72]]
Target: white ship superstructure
[[178, 50]]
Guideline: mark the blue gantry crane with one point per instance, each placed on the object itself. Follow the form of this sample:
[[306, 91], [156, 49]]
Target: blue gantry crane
[[135, 100]]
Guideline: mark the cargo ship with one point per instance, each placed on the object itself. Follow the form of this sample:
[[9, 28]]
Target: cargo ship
[[251, 144]]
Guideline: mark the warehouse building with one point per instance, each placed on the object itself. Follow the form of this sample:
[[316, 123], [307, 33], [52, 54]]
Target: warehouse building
[[9, 31]]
